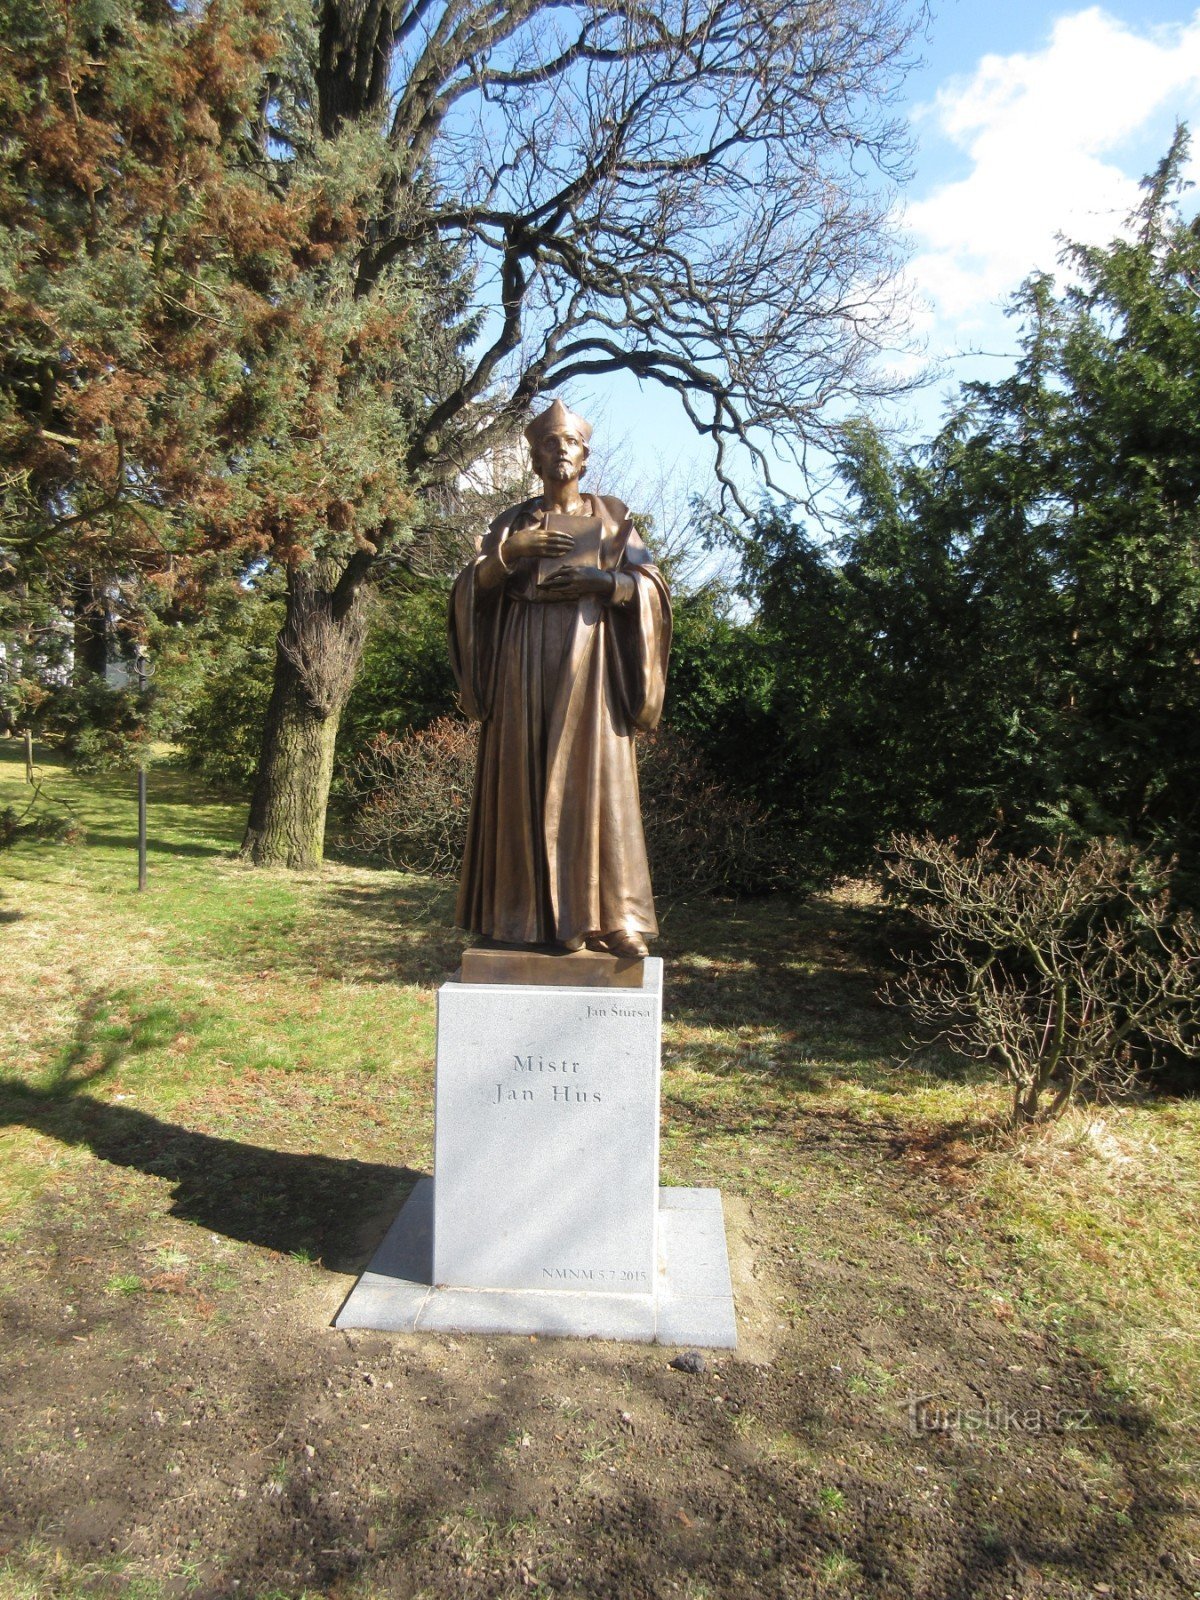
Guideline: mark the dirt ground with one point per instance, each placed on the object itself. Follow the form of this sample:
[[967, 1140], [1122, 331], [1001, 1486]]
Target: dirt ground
[[215, 1102], [178, 1417]]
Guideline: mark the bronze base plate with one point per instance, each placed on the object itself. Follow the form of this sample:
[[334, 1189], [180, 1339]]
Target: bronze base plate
[[576, 969]]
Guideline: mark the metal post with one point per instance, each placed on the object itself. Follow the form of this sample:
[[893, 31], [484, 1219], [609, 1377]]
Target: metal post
[[142, 826], [142, 667]]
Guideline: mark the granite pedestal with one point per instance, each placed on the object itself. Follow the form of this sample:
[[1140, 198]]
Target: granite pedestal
[[544, 1215]]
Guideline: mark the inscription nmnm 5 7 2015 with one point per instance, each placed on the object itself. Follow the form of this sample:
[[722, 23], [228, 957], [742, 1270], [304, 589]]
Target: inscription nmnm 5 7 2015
[[627, 1277]]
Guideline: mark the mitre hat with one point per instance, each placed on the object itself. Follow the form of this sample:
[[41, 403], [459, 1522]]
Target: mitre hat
[[556, 418]]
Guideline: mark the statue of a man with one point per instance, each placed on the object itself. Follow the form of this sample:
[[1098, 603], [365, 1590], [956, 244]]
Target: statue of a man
[[559, 635]]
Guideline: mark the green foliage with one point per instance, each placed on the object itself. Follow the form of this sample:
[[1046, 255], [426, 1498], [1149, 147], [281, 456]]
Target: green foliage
[[213, 681], [99, 728], [719, 680], [405, 681], [129, 220], [1003, 638], [214, 675]]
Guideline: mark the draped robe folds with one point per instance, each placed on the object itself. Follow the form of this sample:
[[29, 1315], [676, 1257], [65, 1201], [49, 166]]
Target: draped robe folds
[[555, 849]]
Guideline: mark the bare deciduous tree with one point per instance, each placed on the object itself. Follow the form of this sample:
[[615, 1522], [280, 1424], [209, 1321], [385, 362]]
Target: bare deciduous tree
[[688, 192], [696, 192]]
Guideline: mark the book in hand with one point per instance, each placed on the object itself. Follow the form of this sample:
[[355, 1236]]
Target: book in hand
[[587, 533]]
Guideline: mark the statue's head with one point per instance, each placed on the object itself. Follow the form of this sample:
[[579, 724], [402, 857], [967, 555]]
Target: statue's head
[[558, 442]]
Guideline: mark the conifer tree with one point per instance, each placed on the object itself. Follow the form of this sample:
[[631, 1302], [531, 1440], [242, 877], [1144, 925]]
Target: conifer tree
[[190, 382], [1005, 640], [135, 241], [333, 261]]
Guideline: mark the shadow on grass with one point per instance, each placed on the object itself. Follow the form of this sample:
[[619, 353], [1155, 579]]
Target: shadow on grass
[[805, 972], [171, 784], [395, 930], [311, 1205], [785, 993], [101, 838], [105, 1035]]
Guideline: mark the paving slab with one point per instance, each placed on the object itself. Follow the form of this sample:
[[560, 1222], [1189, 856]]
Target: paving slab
[[692, 1301]]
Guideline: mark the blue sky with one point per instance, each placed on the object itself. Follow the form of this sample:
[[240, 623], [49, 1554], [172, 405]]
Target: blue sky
[[1030, 120]]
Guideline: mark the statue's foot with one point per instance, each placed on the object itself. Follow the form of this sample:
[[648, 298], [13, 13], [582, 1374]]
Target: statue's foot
[[621, 943]]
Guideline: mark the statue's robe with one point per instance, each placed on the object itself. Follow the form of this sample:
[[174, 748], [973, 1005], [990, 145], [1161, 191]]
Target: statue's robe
[[555, 849]]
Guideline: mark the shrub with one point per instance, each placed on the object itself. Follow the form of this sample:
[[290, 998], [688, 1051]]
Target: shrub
[[411, 797], [1070, 969], [701, 836]]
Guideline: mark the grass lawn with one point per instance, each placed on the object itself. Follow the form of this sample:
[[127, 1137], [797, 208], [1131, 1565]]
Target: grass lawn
[[969, 1366]]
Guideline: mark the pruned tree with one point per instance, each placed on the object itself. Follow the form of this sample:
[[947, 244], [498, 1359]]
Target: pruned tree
[[694, 193], [1070, 970]]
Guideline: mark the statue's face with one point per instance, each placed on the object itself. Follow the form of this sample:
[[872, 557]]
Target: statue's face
[[559, 457]]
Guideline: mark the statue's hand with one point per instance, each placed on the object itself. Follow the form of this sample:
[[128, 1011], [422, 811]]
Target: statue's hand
[[536, 540], [576, 583]]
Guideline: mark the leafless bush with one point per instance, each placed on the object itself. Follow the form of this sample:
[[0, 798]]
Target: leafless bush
[[412, 796], [701, 836], [1071, 970]]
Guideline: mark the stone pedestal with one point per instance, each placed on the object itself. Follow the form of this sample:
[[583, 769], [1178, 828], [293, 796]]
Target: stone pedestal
[[544, 1214], [546, 1136]]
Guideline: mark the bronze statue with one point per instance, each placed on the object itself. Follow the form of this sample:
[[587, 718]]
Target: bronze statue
[[559, 635]]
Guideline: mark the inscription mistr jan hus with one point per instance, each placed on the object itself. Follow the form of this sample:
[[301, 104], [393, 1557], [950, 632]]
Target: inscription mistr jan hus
[[542, 1064], [561, 1093]]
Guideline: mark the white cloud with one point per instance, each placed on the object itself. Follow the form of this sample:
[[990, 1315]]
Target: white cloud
[[1044, 134]]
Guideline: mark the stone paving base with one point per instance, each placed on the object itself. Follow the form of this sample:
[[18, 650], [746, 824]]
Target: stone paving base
[[692, 1305]]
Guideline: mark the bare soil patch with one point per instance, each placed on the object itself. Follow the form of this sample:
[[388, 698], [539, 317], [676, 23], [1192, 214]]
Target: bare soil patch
[[176, 1410]]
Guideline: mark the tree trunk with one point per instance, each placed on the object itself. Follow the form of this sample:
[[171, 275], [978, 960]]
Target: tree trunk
[[316, 658], [90, 630], [1025, 1101]]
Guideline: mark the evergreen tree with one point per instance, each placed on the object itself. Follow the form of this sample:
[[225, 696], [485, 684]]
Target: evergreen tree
[[1004, 638], [135, 240], [191, 381], [1130, 560]]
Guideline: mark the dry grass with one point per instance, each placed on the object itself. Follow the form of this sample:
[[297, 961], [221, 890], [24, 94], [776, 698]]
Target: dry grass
[[1104, 1214]]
